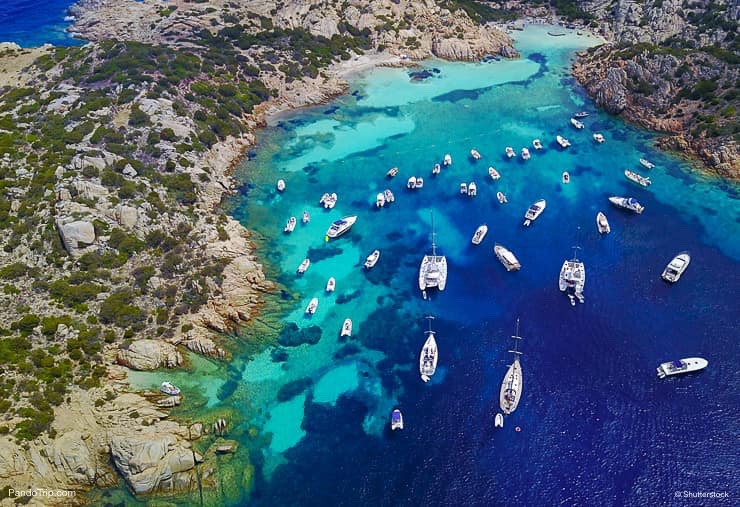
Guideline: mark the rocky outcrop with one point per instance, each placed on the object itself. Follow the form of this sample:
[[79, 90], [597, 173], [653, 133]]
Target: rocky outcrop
[[149, 355], [611, 93], [75, 235]]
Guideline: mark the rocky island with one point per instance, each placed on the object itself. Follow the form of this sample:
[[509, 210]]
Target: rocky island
[[115, 157]]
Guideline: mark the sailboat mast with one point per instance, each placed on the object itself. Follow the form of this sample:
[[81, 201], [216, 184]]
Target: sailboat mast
[[516, 337], [434, 246]]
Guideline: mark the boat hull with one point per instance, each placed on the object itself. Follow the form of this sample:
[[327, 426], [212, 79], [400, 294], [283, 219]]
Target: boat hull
[[511, 388]]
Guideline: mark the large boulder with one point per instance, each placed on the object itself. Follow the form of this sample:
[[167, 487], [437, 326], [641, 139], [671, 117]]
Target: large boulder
[[149, 355], [76, 234], [70, 454]]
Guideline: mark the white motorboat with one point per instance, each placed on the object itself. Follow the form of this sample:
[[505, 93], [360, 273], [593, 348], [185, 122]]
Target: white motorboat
[[475, 154], [628, 203], [380, 200], [577, 124], [304, 266], [433, 269], [436, 169], [389, 197], [508, 259], [331, 284], [346, 328], [525, 154], [340, 226], [646, 163], [598, 138], [637, 178], [419, 182], [372, 259], [493, 173], [280, 185], [306, 217], [676, 267], [447, 160], [534, 211], [429, 355], [312, 306], [602, 224], [537, 144], [685, 365], [411, 183], [566, 177], [472, 189], [563, 142], [581, 114], [480, 234], [501, 197], [464, 188], [392, 172], [328, 200], [498, 421], [290, 225], [396, 420], [510, 152], [170, 389], [572, 278], [511, 386]]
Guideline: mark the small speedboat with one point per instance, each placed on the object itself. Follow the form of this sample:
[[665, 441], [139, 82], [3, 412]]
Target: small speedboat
[[563, 142], [396, 420], [676, 267], [577, 124], [306, 217], [534, 211], [602, 224], [537, 144], [380, 200], [510, 152], [628, 203], [328, 200], [346, 328], [480, 234], [389, 197], [646, 163], [393, 171], [280, 185], [598, 138], [372, 259], [290, 225], [411, 183], [637, 178], [464, 188], [501, 197], [525, 154], [304, 266], [581, 114], [331, 284], [447, 160], [686, 365], [493, 173], [498, 421], [508, 259], [312, 306], [566, 177], [472, 189], [168, 388], [475, 154], [436, 169], [419, 182]]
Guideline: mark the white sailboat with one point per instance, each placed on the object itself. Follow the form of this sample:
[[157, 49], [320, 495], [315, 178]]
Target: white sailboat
[[428, 356], [433, 268], [511, 387]]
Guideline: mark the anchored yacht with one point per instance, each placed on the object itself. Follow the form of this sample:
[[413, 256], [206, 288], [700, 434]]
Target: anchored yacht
[[534, 211], [341, 226], [602, 224], [511, 387], [637, 178], [508, 259], [480, 234], [429, 354], [686, 365], [676, 267], [433, 268], [628, 203], [573, 278]]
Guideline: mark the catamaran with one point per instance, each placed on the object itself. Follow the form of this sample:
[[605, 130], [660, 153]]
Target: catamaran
[[573, 278], [428, 355], [534, 211], [433, 268], [511, 387]]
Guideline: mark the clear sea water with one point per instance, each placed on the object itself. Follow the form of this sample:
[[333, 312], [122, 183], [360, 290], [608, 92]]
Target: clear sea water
[[30, 23], [597, 426]]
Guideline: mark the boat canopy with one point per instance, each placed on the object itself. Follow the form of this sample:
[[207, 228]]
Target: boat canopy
[[632, 200], [677, 364]]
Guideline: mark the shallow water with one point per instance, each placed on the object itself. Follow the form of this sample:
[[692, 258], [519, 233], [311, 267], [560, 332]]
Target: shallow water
[[596, 424]]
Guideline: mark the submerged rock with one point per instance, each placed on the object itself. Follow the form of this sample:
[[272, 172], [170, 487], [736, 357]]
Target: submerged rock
[[292, 336]]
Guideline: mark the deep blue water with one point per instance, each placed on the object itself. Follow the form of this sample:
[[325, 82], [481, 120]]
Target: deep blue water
[[597, 426], [32, 23]]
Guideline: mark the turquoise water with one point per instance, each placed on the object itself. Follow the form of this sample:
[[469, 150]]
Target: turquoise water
[[596, 425]]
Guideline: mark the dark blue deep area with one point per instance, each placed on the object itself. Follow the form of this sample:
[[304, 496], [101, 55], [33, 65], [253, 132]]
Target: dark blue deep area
[[32, 23]]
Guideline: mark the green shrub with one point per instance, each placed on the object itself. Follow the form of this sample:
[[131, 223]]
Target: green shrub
[[117, 309]]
